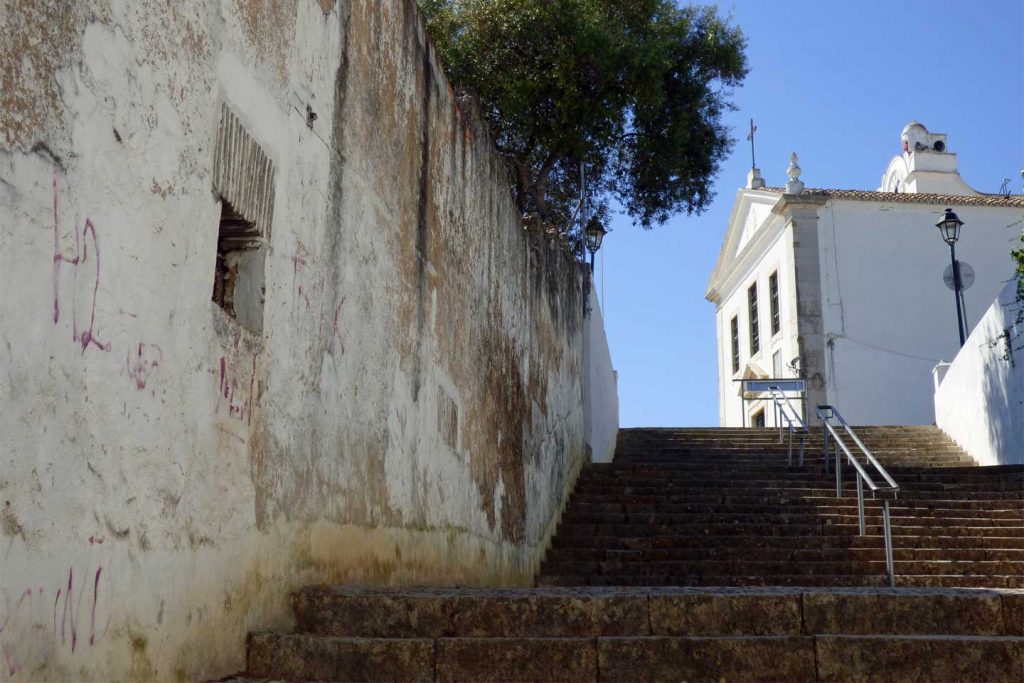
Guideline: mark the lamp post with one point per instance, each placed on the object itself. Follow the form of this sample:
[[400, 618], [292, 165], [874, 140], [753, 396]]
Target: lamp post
[[594, 234], [949, 228]]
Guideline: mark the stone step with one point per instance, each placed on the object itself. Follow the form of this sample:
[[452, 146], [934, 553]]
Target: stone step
[[588, 540], [872, 516], [597, 612], [672, 484], [897, 510], [784, 554], [823, 658], [776, 500], [748, 567], [767, 529], [796, 580]]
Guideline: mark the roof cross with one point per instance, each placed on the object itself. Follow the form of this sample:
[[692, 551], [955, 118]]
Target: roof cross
[[750, 136]]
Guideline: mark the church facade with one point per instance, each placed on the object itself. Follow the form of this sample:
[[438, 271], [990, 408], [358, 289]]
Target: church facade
[[845, 288]]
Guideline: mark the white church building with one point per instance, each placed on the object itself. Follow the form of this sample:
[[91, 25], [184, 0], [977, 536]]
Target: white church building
[[845, 288]]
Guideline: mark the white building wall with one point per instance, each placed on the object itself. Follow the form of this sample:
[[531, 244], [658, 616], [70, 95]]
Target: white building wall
[[778, 257], [600, 390], [980, 401], [888, 315]]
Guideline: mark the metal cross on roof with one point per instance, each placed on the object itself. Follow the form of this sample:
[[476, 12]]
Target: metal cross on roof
[[750, 136]]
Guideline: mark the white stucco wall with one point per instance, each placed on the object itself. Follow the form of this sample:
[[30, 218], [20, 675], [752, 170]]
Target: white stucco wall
[[776, 242], [600, 392], [980, 401], [888, 316], [411, 412]]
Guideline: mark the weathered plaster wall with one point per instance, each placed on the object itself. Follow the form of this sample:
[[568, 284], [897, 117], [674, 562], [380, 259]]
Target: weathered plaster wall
[[411, 411], [980, 401]]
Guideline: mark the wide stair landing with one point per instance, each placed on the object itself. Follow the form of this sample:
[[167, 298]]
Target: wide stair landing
[[721, 507], [687, 514]]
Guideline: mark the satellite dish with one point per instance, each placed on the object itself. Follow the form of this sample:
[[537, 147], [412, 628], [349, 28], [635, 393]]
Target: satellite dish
[[966, 275]]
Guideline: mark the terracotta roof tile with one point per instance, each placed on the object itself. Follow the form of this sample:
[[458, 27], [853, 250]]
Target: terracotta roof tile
[[914, 198]]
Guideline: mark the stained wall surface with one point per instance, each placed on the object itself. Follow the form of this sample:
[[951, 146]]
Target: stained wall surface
[[410, 410]]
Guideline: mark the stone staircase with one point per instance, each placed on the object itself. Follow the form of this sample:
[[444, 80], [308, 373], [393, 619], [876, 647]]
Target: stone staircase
[[721, 507], [700, 555], [647, 634]]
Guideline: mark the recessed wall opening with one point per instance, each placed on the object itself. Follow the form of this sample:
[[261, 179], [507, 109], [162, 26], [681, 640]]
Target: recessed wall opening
[[239, 281], [758, 419], [243, 180]]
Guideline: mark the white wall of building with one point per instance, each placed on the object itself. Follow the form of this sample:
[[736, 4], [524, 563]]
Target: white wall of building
[[600, 391], [888, 315], [979, 402], [775, 241]]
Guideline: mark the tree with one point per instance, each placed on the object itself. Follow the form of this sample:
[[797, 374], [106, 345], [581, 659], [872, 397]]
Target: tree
[[634, 90]]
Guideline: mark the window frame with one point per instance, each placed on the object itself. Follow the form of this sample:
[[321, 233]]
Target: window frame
[[773, 302], [755, 323], [734, 339]]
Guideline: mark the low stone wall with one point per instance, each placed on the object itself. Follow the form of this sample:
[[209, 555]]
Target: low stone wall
[[979, 401], [269, 319]]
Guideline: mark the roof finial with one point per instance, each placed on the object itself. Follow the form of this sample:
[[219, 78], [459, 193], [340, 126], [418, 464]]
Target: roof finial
[[794, 186]]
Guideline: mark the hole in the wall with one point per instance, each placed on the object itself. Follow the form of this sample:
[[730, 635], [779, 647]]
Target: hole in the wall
[[448, 419], [239, 281]]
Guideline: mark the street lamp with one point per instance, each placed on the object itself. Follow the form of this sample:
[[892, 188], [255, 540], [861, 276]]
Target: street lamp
[[949, 228], [594, 233]]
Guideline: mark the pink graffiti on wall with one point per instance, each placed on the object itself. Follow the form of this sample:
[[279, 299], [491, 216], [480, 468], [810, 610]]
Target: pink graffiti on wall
[[22, 619], [232, 391], [141, 361], [87, 336]]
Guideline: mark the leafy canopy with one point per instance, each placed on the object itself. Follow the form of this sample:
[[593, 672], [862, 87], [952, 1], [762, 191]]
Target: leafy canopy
[[634, 90]]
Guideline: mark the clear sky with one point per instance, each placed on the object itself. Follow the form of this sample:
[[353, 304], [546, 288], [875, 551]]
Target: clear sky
[[835, 82]]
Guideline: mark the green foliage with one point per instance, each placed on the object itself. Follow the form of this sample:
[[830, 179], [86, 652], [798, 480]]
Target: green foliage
[[633, 90]]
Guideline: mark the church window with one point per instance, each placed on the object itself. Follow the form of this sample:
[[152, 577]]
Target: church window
[[758, 419], [773, 296], [755, 336], [734, 329]]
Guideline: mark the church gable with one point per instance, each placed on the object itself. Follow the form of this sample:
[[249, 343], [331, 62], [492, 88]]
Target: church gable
[[751, 215]]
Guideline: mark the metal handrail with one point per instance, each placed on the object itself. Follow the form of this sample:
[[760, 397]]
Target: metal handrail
[[795, 424], [826, 414]]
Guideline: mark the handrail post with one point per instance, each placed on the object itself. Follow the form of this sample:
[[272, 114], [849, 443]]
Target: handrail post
[[887, 528], [790, 457], [860, 503], [824, 431], [839, 473]]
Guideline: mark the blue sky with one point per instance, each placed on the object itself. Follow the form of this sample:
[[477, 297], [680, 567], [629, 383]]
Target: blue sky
[[835, 82]]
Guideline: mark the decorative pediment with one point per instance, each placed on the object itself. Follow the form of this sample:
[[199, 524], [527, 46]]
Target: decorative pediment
[[750, 220]]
